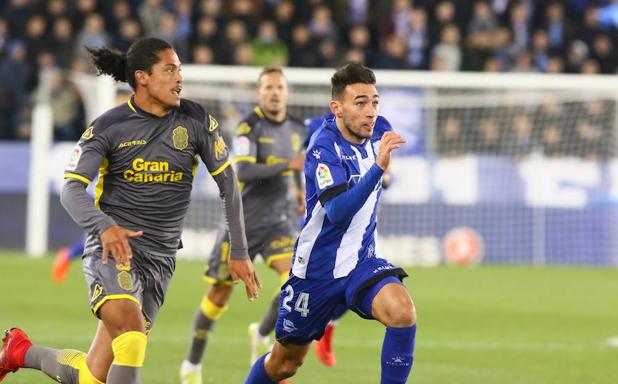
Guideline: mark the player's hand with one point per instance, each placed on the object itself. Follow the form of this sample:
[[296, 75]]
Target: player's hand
[[300, 201], [243, 270], [115, 240], [390, 141], [297, 163]]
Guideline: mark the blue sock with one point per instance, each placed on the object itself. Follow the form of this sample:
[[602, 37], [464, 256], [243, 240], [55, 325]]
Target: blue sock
[[397, 354], [76, 250], [257, 374]]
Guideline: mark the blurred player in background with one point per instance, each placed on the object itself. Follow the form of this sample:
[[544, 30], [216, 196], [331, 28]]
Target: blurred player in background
[[268, 150], [324, 346], [334, 260], [145, 152]]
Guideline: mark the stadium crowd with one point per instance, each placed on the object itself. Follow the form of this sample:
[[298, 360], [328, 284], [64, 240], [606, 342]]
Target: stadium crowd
[[574, 36]]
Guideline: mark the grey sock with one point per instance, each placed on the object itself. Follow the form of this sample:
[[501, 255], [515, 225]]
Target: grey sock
[[121, 374], [202, 326], [267, 325], [60, 365]]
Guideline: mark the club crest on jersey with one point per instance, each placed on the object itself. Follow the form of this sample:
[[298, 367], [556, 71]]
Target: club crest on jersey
[[324, 176], [74, 159], [180, 137]]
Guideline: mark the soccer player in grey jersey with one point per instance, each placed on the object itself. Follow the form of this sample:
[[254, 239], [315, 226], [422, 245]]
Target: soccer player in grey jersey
[[145, 152], [268, 149]]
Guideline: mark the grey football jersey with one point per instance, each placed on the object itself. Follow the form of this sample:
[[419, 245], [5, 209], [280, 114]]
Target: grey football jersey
[[262, 148], [146, 166]]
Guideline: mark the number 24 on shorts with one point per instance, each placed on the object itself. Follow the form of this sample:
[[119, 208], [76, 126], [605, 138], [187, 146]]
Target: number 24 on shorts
[[302, 302]]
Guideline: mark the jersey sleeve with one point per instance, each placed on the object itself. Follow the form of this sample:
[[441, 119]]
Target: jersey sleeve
[[323, 168], [212, 148], [88, 154]]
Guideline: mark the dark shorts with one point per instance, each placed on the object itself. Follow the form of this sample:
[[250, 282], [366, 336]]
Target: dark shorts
[[307, 305], [145, 282], [273, 243]]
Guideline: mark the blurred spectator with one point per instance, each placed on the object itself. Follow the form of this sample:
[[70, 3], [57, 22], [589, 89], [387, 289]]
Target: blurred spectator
[[129, 31], [36, 38], [393, 55], [518, 141], [202, 54], [235, 34], [151, 14], [450, 138], [489, 137], [268, 49], [418, 40], [540, 54], [603, 52], [557, 28], [16, 78], [17, 13], [284, 18], [576, 54], [593, 132], [520, 16], [92, 35], [61, 42], [444, 14], [448, 50], [304, 51], [243, 54]]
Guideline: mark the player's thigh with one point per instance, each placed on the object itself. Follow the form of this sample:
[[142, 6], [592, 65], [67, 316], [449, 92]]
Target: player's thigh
[[156, 273], [393, 306]]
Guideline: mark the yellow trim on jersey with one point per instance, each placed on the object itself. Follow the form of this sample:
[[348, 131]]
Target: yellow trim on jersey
[[259, 112], [250, 159], [212, 310], [213, 281], [114, 297], [196, 163], [98, 190], [221, 168], [77, 177], [131, 106], [130, 349], [278, 256]]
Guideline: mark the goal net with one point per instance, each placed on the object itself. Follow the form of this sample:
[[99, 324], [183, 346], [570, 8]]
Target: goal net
[[497, 168]]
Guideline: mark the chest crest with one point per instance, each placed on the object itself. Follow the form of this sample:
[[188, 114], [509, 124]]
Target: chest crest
[[180, 137]]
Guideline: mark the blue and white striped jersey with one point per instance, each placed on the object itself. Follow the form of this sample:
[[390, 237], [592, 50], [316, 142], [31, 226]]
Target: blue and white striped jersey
[[333, 165]]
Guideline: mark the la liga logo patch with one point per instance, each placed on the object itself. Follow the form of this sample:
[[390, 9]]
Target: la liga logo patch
[[323, 175]]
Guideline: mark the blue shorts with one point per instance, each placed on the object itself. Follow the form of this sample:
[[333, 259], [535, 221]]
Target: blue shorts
[[306, 306]]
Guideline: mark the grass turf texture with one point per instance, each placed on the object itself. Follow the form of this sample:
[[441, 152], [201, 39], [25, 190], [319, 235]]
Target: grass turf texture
[[502, 325]]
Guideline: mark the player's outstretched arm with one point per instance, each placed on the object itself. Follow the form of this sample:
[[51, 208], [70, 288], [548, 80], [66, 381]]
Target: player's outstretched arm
[[240, 265]]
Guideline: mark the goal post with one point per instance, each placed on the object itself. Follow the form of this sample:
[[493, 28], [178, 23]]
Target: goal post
[[499, 168]]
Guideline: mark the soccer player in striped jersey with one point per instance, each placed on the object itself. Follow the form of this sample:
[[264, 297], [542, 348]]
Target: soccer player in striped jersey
[[269, 158], [145, 152], [324, 346], [335, 262]]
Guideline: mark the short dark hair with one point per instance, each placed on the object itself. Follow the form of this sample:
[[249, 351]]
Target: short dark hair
[[141, 56], [350, 73], [268, 71]]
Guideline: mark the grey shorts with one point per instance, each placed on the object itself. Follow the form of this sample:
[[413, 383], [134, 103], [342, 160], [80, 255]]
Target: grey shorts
[[145, 282], [272, 243]]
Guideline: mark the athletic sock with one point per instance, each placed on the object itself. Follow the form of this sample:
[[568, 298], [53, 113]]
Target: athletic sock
[[67, 366], [257, 374], [205, 318], [397, 354], [129, 353]]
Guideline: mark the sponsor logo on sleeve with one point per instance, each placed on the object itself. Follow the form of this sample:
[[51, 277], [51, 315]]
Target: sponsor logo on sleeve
[[212, 123], [242, 146], [220, 148], [74, 159], [324, 176]]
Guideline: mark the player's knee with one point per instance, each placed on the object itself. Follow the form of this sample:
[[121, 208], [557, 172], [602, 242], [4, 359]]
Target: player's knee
[[219, 294], [289, 367], [130, 349], [402, 313]]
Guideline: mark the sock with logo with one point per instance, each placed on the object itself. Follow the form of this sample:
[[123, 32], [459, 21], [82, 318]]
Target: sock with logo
[[205, 318], [257, 374], [397, 354], [67, 366]]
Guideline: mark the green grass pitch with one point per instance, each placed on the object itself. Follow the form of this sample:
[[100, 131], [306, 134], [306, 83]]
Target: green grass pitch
[[506, 325]]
